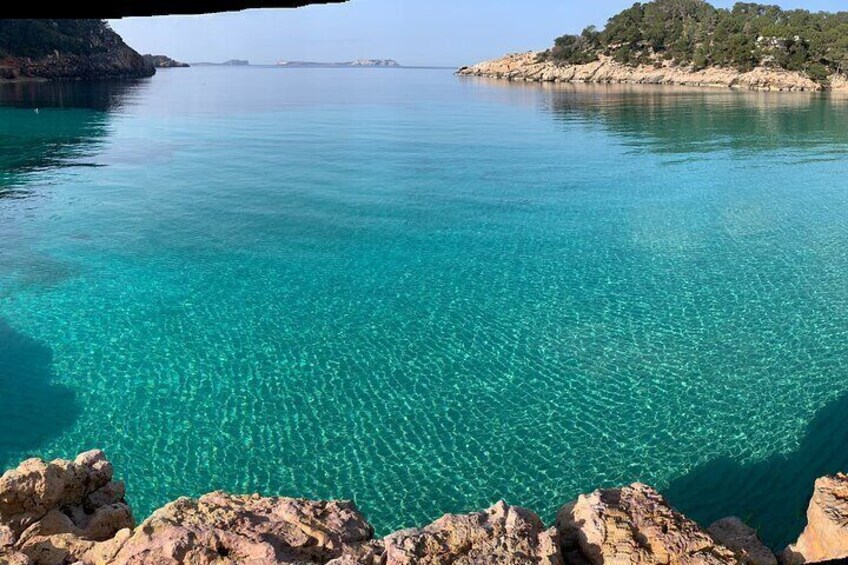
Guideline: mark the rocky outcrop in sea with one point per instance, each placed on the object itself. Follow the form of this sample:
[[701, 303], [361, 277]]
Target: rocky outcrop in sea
[[528, 67], [164, 62], [74, 512]]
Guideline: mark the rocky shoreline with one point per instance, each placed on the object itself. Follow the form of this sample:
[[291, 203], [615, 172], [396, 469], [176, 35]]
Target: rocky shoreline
[[163, 62], [526, 67], [123, 66], [75, 512]]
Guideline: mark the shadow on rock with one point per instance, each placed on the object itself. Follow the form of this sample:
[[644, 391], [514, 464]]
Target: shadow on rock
[[34, 408], [771, 495]]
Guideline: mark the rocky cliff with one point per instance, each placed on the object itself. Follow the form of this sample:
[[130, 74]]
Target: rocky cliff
[[530, 67], [66, 49], [74, 512]]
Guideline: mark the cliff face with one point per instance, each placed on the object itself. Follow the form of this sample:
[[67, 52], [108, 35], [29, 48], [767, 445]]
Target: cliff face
[[74, 512], [527, 67], [66, 49]]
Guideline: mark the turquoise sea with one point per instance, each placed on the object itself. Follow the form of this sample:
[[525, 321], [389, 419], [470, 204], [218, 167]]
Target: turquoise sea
[[425, 292]]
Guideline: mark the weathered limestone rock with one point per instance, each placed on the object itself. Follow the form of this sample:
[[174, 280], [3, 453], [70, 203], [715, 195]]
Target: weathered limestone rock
[[52, 513], [742, 539], [8, 555], [53, 540], [82, 489], [367, 553], [73, 513], [56, 539], [12, 557], [503, 534], [220, 528], [826, 534], [635, 524], [7, 536], [526, 67]]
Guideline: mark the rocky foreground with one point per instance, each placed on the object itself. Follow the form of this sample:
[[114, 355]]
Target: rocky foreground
[[527, 67], [74, 512]]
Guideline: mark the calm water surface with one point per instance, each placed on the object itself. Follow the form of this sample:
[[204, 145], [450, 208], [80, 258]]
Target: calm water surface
[[426, 293]]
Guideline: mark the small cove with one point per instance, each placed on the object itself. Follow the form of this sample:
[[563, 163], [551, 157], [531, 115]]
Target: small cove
[[426, 293]]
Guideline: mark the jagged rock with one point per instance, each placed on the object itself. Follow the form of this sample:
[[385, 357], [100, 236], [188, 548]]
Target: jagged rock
[[635, 524], [12, 557], [54, 512], [73, 513], [503, 534], [7, 536], [221, 528], [742, 539], [8, 555], [826, 534], [527, 67], [53, 540], [112, 492], [367, 553], [35, 487], [568, 540]]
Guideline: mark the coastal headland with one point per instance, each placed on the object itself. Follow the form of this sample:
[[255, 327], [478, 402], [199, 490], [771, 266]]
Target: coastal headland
[[692, 43], [527, 67], [67, 50]]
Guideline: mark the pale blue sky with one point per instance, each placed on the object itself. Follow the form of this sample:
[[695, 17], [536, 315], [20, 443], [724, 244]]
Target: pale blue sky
[[414, 32]]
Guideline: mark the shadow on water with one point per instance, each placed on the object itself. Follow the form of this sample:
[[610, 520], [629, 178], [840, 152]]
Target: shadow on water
[[68, 127], [34, 407], [104, 96], [770, 495]]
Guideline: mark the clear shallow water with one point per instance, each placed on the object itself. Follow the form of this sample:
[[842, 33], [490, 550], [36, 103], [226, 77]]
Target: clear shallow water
[[427, 293]]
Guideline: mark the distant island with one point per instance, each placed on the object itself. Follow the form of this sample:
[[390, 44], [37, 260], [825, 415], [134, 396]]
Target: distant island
[[230, 63], [163, 62], [693, 43], [356, 63], [66, 49]]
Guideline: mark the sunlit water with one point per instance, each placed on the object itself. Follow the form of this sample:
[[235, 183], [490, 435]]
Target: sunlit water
[[426, 293]]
